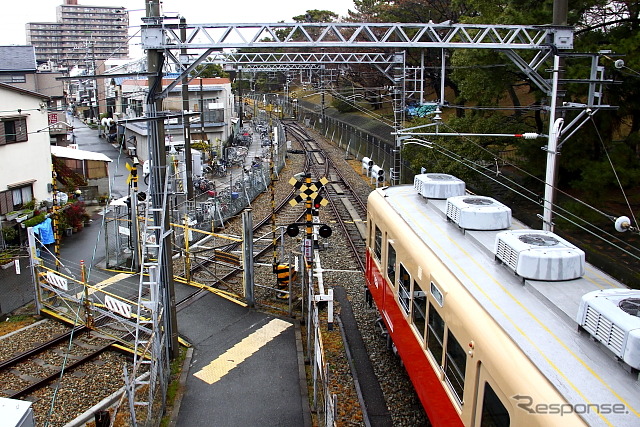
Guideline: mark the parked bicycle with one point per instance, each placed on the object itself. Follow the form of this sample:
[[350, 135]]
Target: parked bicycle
[[202, 184]]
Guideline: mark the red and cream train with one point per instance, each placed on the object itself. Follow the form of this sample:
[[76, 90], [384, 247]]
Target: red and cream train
[[497, 324]]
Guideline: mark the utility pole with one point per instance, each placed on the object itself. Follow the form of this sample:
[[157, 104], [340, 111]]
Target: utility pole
[[201, 103], [322, 105], [560, 13], [240, 96], [186, 125], [155, 60]]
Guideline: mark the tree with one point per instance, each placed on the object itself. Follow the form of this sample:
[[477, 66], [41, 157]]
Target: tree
[[206, 71], [315, 15]]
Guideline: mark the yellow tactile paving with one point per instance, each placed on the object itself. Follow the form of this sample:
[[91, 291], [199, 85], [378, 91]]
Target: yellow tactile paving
[[237, 354]]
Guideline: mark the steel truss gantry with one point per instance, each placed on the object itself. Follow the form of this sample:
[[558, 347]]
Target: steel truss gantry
[[212, 40], [158, 34]]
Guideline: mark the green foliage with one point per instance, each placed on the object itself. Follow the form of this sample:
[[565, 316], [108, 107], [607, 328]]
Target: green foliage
[[209, 71], [201, 146], [342, 106], [31, 204], [34, 221], [315, 15], [606, 145], [10, 235], [572, 214]]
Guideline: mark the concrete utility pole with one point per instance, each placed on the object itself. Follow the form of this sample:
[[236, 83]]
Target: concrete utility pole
[[560, 13], [155, 60], [186, 125]]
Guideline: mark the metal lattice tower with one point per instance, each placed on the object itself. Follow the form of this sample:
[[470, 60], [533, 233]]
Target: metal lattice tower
[[150, 348]]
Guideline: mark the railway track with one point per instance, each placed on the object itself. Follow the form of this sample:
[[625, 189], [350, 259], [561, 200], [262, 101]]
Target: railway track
[[345, 253], [347, 206], [92, 370], [346, 213], [35, 368], [206, 268]]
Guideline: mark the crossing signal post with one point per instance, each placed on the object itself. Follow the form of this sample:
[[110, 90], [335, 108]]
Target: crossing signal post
[[309, 193]]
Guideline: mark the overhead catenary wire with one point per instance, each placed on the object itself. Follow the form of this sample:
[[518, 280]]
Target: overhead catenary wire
[[530, 175], [613, 169], [533, 197]]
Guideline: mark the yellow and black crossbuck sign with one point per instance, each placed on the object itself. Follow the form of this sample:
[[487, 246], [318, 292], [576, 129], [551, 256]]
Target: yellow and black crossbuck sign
[[309, 191]]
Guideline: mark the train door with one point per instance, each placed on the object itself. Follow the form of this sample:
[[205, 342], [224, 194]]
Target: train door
[[391, 270], [490, 409]]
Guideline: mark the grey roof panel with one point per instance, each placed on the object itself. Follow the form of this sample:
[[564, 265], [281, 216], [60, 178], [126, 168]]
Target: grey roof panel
[[17, 58]]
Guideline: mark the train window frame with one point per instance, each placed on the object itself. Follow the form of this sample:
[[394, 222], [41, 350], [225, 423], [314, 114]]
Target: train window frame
[[416, 293], [377, 242], [431, 332], [436, 293], [391, 269], [484, 380], [404, 289], [455, 380]]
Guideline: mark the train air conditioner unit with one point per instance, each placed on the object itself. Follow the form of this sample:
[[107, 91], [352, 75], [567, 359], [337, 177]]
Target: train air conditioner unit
[[478, 213], [438, 185], [539, 255], [612, 316]]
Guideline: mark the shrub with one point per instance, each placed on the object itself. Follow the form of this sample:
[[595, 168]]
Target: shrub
[[75, 214], [10, 234], [37, 219]]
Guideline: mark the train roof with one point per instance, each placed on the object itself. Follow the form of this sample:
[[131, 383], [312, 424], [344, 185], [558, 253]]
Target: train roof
[[538, 315]]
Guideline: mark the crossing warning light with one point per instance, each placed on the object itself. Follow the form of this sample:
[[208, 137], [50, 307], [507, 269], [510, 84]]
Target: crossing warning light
[[292, 230], [324, 231]]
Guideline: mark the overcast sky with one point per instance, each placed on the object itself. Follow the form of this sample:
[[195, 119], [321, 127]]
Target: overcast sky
[[15, 13]]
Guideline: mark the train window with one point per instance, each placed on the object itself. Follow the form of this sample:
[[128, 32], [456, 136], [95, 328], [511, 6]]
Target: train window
[[455, 364], [494, 414], [391, 263], [437, 295], [419, 309], [435, 334], [404, 289], [377, 243]]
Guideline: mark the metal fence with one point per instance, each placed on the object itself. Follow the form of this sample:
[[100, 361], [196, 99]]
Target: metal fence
[[216, 201], [376, 143], [323, 400]]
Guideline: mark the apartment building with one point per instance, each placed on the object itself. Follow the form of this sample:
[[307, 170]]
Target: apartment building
[[81, 35]]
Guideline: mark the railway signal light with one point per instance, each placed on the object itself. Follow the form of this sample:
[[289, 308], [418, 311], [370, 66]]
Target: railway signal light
[[133, 173]]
